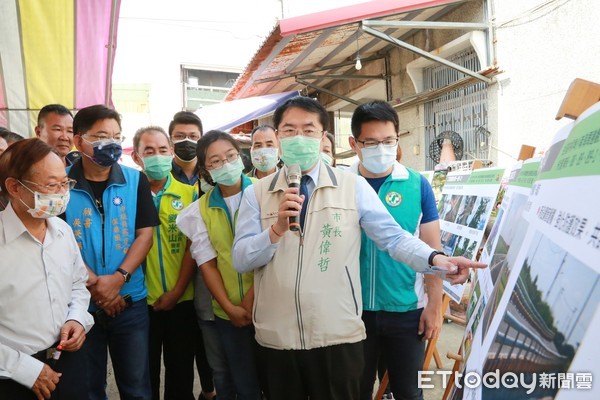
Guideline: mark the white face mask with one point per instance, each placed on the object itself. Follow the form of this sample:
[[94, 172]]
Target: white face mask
[[47, 204], [379, 159], [265, 158]]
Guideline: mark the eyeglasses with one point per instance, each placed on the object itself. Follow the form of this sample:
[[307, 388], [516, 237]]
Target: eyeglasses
[[100, 138], [294, 132], [371, 144], [219, 163], [56, 187], [182, 136]]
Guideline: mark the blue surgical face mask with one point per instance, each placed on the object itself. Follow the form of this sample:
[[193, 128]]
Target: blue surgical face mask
[[379, 159], [106, 152], [229, 173]]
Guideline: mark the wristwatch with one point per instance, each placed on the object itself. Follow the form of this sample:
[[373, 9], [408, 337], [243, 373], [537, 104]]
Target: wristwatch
[[127, 275], [433, 254]]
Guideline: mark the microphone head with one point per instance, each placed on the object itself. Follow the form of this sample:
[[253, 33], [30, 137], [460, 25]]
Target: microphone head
[[294, 174]]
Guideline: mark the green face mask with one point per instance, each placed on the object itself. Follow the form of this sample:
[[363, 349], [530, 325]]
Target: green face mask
[[229, 173], [157, 167], [302, 150], [205, 186], [326, 158]]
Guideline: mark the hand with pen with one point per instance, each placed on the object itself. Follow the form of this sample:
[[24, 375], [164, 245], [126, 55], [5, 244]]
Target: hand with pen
[[72, 336]]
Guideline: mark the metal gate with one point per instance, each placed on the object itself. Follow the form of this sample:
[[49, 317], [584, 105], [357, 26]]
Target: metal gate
[[462, 110]]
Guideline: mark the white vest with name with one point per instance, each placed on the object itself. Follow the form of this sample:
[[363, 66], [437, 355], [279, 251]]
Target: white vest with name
[[309, 294]]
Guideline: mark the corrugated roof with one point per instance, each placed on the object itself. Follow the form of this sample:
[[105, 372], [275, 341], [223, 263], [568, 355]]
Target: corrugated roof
[[326, 43]]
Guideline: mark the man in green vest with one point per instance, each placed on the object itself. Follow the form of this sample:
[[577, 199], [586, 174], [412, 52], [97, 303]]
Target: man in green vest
[[169, 270], [399, 314]]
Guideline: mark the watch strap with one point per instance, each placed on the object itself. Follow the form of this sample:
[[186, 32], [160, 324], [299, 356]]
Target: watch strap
[[126, 275], [433, 254]]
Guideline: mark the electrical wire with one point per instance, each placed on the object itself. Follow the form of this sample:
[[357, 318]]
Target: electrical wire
[[541, 9]]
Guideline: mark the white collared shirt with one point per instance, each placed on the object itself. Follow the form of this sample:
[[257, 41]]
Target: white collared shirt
[[252, 247], [42, 287]]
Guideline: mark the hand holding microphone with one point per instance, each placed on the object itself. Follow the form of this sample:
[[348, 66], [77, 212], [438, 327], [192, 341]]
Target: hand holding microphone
[[289, 207], [293, 177]]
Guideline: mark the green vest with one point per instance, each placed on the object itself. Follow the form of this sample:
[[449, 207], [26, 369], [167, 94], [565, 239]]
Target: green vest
[[387, 284], [163, 262], [221, 229]]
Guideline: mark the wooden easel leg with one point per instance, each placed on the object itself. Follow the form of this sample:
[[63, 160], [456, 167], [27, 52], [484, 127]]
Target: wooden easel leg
[[438, 359], [382, 386], [431, 349], [457, 360]]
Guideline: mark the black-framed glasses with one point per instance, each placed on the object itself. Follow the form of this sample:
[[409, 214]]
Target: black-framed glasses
[[219, 163], [371, 144], [55, 187], [177, 137], [286, 132]]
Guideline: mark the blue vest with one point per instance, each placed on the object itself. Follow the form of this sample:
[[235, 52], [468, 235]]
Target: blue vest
[[104, 241]]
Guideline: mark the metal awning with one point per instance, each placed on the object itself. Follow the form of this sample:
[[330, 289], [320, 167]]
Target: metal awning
[[229, 114], [314, 52]]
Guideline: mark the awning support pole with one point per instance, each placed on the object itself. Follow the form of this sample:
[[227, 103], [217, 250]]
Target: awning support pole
[[465, 26], [344, 77], [329, 92], [423, 53], [311, 70]]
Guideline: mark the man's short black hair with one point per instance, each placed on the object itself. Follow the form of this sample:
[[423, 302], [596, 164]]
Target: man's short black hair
[[52, 109], [9, 136], [305, 103], [88, 116], [185, 118], [263, 127], [373, 111]]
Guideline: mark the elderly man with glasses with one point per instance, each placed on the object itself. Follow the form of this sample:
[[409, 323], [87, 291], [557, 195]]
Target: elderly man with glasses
[[112, 214], [43, 317]]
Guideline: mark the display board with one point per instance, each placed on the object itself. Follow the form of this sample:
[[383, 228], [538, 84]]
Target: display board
[[533, 321], [468, 198], [438, 181]]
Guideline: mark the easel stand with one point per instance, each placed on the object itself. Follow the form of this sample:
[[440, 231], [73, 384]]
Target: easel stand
[[431, 350]]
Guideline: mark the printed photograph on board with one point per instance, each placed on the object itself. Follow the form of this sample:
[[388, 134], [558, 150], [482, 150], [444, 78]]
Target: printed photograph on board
[[549, 311]]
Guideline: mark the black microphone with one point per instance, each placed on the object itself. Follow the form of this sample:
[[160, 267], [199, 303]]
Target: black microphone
[[294, 175]]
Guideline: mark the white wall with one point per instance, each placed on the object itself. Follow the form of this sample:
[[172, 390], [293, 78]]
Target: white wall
[[541, 54]]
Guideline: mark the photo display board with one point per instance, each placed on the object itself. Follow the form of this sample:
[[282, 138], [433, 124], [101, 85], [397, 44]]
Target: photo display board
[[534, 314], [468, 198], [438, 180]]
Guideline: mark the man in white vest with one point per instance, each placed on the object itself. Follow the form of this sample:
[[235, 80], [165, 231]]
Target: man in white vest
[[308, 305]]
